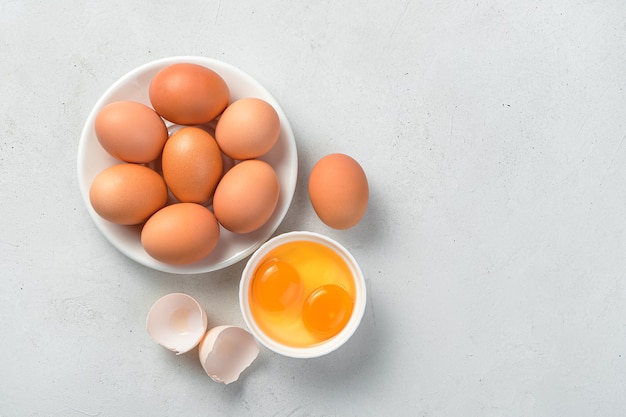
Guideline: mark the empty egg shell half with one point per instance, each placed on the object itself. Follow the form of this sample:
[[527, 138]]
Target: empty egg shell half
[[177, 322], [226, 351]]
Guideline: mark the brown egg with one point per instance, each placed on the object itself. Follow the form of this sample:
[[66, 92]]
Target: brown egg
[[130, 131], [188, 94], [247, 129], [127, 193], [192, 165], [180, 233], [338, 190], [246, 196]]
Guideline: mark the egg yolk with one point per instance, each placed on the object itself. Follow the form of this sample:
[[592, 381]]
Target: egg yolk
[[327, 310], [276, 285]]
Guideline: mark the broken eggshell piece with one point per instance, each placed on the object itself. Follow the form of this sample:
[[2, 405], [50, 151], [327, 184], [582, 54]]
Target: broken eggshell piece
[[177, 322], [226, 351]]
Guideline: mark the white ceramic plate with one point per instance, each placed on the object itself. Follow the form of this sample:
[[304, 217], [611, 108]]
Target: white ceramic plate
[[92, 159]]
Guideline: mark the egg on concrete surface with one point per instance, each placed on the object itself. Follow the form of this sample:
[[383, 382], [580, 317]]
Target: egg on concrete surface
[[338, 191]]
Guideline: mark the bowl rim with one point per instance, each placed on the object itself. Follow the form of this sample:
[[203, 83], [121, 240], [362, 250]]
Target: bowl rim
[[326, 346], [141, 256]]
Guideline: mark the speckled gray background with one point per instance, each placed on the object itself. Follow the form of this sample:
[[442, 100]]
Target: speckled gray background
[[492, 133]]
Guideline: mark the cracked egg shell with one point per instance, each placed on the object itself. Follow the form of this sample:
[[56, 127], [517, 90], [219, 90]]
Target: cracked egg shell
[[177, 322], [226, 351]]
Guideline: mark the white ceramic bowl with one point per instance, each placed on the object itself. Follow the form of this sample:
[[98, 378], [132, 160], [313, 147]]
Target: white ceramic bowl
[[92, 159], [321, 348]]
